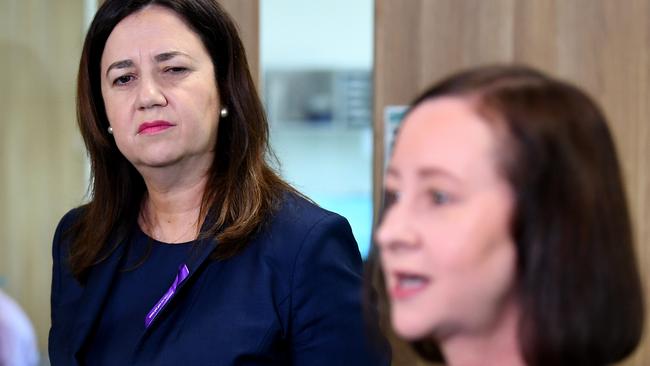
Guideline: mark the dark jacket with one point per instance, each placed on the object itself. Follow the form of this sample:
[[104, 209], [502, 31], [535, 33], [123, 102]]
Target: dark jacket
[[292, 297]]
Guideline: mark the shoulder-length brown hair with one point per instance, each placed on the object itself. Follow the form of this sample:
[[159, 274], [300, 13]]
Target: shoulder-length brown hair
[[242, 188], [577, 277]]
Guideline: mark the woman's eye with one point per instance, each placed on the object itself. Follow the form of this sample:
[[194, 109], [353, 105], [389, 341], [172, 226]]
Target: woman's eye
[[123, 80], [390, 198], [176, 69], [439, 198]]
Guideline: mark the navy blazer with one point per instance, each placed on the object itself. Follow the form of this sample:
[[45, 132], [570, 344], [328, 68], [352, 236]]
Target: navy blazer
[[291, 297]]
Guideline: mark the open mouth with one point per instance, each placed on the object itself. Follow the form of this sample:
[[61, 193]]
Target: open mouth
[[407, 285]]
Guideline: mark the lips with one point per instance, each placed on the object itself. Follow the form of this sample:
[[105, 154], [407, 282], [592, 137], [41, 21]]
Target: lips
[[407, 285], [152, 127]]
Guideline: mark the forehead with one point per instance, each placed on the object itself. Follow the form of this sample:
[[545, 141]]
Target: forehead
[[447, 133], [154, 29]]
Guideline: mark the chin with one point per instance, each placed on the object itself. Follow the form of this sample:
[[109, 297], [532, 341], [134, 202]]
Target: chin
[[410, 328], [160, 161], [159, 164]]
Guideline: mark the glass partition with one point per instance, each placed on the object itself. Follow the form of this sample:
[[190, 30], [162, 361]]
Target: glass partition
[[316, 61]]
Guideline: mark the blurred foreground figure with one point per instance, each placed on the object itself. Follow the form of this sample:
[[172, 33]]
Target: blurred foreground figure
[[505, 237], [18, 345]]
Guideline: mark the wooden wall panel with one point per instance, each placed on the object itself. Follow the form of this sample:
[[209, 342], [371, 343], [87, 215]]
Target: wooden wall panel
[[41, 155], [395, 43], [600, 45], [246, 14]]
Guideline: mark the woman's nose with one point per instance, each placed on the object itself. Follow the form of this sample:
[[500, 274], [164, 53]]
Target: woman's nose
[[150, 94], [396, 230]]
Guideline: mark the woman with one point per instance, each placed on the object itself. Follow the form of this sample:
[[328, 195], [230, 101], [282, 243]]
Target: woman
[[505, 237], [192, 250]]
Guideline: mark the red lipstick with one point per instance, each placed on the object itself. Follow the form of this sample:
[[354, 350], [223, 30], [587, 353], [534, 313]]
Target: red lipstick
[[152, 127]]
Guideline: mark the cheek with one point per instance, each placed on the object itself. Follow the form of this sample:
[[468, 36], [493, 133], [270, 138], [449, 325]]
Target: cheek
[[115, 110], [207, 88], [476, 238], [446, 248], [481, 259], [473, 263], [200, 105], [212, 109], [483, 282], [123, 145], [495, 286], [113, 116]]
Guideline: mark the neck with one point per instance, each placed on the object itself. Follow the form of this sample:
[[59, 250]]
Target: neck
[[173, 202], [497, 345]]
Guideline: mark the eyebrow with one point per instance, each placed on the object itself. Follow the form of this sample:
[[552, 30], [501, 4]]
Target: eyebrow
[[425, 173], [124, 64], [162, 57], [392, 172], [431, 172], [166, 56]]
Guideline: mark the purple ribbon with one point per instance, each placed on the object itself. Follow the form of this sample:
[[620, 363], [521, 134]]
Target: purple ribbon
[[183, 272]]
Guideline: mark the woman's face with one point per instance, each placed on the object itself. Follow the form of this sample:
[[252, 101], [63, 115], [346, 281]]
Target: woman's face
[[446, 249], [159, 88]]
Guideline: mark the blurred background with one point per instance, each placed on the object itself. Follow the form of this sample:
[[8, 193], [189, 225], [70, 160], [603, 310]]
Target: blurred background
[[333, 75], [317, 90]]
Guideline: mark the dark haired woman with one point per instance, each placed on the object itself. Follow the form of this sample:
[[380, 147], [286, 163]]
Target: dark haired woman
[[192, 250], [506, 237]]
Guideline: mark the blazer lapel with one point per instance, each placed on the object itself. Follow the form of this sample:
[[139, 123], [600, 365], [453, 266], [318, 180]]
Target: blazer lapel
[[92, 299], [200, 255]]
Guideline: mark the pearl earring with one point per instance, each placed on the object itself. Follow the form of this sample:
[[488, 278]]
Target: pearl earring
[[110, 130], [224, 112]]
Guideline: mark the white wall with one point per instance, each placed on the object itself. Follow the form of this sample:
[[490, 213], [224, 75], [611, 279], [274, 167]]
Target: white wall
[[333, 34]]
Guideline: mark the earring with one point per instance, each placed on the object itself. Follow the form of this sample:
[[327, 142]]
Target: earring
[[224, 112], [110, 130]]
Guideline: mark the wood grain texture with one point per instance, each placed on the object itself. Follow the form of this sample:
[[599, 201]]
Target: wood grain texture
[[600, 45], [393, 41], [246, 14], [42, 161]]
